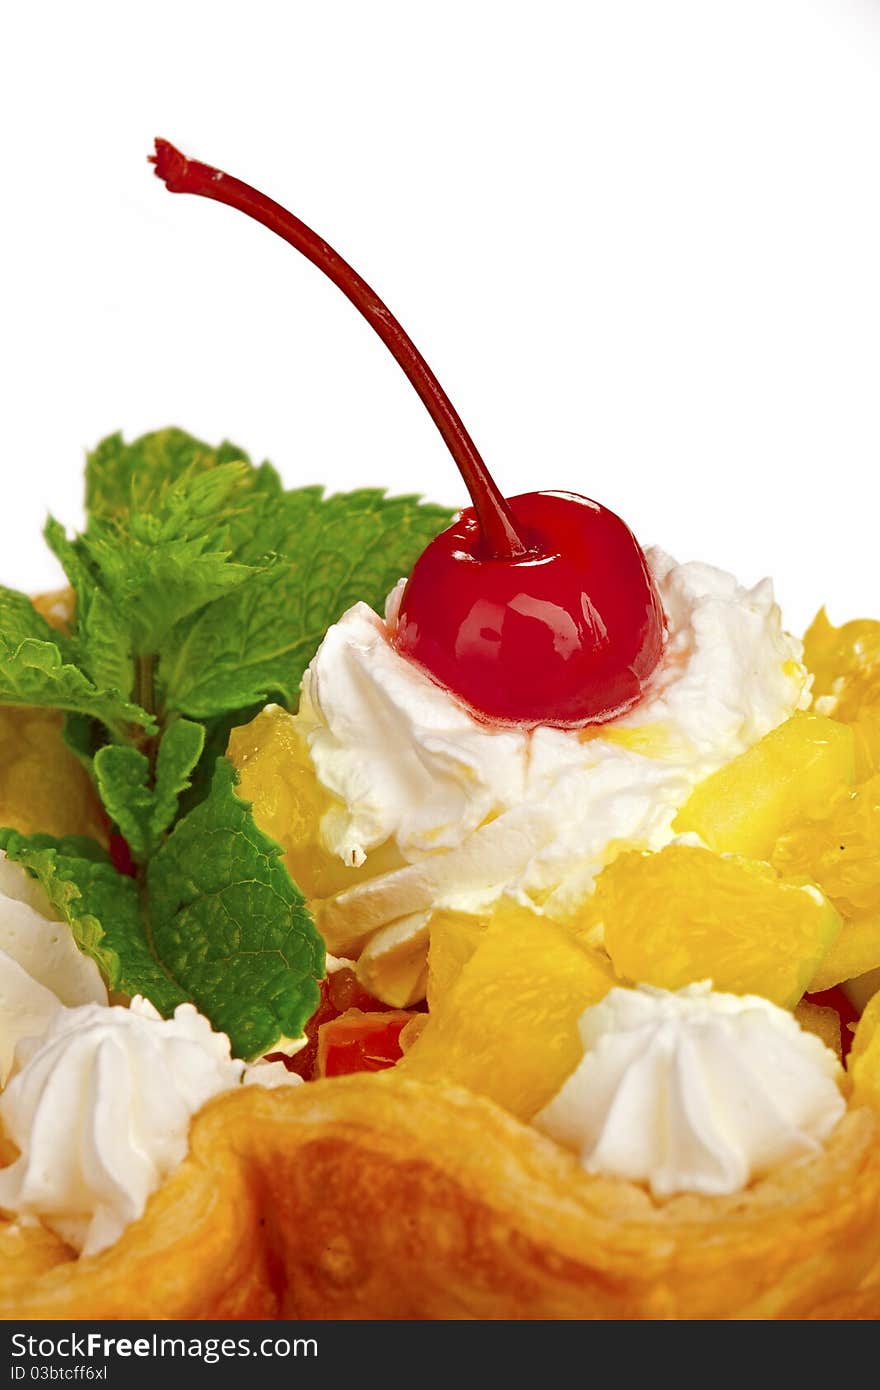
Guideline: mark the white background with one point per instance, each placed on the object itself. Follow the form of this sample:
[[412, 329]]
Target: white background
[[638, 241]]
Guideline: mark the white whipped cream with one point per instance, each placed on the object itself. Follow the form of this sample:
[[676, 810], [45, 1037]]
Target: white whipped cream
[[41, 967], [99, 1108], [475, 810], [693, 1091]]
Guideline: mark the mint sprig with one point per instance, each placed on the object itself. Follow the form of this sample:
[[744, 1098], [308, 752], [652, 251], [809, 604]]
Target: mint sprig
[[39, 666], [142, 801], [217, 920], [203, 588]]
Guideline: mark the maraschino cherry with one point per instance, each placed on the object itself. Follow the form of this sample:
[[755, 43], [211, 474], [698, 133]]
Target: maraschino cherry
[[536, 610]]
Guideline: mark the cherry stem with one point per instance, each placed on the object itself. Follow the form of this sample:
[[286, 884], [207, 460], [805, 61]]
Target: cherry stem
[[182, 175]]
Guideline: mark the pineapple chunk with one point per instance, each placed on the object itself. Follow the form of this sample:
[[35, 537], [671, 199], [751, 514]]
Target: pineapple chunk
[[845, 662], [686, 914], [277, 777], [835, 654], [855, 952], [455, 937], [793, 772], [507, 1029]]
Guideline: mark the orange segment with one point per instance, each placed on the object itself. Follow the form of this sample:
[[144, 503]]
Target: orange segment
[[507, 1028], [744, 807], [687, 914]]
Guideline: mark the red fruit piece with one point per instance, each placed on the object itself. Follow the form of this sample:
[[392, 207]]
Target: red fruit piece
[[340, 993], [359, 1042]]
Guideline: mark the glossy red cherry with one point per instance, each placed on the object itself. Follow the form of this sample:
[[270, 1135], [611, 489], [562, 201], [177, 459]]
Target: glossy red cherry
[[567, 633], [537, 611]]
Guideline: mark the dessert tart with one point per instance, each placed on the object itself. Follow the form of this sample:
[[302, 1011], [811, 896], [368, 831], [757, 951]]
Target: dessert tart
[[502, 941]]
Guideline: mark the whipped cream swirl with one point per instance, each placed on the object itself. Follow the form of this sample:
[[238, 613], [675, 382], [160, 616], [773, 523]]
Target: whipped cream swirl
[[99, 1108], [692, 1091]]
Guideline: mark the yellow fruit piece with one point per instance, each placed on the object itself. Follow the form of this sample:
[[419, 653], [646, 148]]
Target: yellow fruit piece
[[43, 788], [277, 777], [744, 807], [686, 914], [846, 664], [507, 1028], [864, 1060], [854, 953], [866, 731], [859, 693], [840, 851], [455, 937], [836, 654]]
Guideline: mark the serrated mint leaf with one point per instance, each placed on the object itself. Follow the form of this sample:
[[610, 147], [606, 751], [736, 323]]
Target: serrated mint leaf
[[121, 475], [37, 667], [122, 775], [103, 909], [230, 922], [217, 920], [257, 642], [179, 752], [140, 805], [103, 643], [156, 568]]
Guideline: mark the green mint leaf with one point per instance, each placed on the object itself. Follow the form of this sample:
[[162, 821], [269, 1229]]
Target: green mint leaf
[[217, 922], [228, 920], [179, 753], [38, 667], [142, 807], [103, 909], [257, 642], [122, 775], [103, 643], [125, 481], [156, 565], [121, 475]]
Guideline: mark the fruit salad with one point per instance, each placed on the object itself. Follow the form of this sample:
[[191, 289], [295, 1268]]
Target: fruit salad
[[298, 788]]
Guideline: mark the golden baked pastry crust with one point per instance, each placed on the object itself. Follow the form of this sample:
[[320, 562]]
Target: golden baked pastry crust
[[372, 1197]]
